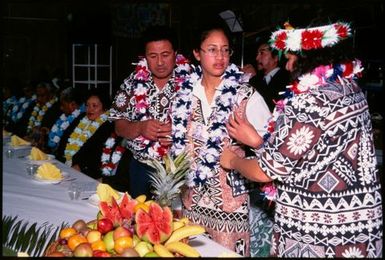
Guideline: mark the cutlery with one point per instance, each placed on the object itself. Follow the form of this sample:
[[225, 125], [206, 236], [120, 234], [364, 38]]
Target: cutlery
[[70, 179]]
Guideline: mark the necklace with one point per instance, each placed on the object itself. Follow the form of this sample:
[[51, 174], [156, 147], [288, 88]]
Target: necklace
[[139, 82], [319, 77], [85, 129], [38, 113], [111, 155], [207, 161], [19, 109], [61, 125]]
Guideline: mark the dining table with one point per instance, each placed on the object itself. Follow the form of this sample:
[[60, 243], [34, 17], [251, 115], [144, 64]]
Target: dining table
[[49, 203]]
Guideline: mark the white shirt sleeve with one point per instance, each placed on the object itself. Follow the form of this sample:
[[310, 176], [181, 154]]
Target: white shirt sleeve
[[258, 113]]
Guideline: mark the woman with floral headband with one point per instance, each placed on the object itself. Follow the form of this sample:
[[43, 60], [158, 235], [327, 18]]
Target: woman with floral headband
[[319, 150], [216, 89]]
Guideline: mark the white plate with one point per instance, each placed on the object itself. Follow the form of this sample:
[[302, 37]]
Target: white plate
[[50, 158], [94, 199], [65, 174]]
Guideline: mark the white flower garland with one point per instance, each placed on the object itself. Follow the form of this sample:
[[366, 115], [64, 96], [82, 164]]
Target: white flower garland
[[110, 157], [208, 159], [85, 129], [38, 113], [19, 109], [61, 125]]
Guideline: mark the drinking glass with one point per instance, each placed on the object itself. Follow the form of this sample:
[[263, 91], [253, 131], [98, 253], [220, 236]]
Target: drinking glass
[[74, 191]]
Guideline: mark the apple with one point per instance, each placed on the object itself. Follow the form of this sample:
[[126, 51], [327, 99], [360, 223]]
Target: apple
[[79, 225], [92, 224], [94, 235], [129, 252], [143, 248], [100, 253], [121, 232], [84, 249], [109, 241], [105, 225]]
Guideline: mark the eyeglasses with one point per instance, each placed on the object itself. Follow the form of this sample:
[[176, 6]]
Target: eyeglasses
[[214, 52]]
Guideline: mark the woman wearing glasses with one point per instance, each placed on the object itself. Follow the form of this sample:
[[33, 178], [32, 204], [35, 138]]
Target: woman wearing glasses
[[216, 90]]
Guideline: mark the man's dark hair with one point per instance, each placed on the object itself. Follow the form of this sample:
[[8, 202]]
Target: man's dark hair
[[159, 33]]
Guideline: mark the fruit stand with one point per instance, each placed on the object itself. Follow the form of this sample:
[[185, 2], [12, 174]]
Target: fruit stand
[[48, 205]]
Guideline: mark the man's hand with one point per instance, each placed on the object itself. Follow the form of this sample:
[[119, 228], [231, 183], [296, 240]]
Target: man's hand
[[226, 157]]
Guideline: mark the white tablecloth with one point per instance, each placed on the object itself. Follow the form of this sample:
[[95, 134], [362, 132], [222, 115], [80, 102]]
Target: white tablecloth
[[39, 202]]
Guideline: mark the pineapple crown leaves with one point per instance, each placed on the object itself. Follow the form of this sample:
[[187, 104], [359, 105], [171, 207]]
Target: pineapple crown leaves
[[168, 178], [19, 236]]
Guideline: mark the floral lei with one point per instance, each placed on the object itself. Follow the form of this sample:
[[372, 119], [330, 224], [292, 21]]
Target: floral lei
[[39, 112], [85, 129], [319, 77], [111, 156], [19, 109], [61, 125], [208, 159], [141, 78]]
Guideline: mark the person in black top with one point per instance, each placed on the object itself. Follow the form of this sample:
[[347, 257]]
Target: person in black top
[[269, 79]]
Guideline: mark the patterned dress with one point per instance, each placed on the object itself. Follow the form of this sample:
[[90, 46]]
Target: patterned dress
[[213, 205], [323, 159]]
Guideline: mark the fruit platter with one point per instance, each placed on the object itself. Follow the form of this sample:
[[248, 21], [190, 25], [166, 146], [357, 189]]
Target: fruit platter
[[127, 226]]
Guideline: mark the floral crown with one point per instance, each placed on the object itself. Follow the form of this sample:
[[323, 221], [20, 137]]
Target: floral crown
[[297, 40]]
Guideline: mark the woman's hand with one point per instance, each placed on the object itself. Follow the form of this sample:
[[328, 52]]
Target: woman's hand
[[244, 132]]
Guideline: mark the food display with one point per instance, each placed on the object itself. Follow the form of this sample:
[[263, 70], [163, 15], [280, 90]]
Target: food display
[[130, 227]]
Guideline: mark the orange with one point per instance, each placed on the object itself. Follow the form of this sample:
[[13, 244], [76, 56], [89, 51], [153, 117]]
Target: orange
[[75, 240], [67, 232], [123, 243], [98, 245], [143, 206]]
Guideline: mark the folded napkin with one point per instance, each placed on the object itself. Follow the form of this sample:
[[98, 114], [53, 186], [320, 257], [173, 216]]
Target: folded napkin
[[6, 133], [37, 154], [48, 171], [17, 141], [105, 193]]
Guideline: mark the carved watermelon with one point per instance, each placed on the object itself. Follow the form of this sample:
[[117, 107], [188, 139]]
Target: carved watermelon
[[156, 225], [111, 212], [127, 206]]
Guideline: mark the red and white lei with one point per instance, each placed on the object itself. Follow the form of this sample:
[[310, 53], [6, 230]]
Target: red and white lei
[[111, 156], [142, 76], [296, 40]]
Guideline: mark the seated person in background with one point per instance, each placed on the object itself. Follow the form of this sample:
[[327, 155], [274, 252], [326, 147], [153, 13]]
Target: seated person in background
[[25, 103], [85, 145], [72, 106], [44, 114]]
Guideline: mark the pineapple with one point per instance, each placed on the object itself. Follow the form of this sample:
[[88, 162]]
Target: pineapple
[[168, 179]]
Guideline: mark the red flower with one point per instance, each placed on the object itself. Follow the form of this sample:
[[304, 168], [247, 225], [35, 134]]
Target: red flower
[[294, 88], [120, 149], [162, 150], [106, 150], [139, 98], [311, 39], [342, 30], [348, 69], [280, 40]]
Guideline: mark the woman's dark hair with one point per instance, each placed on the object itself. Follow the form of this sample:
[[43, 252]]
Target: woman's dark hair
[[71, 94], [204, 30], [103, 96]]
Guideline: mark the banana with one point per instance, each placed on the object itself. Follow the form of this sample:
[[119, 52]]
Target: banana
[[176, 225], [183, 249], [162, 251], [185, 220], [141, 198], [186, 231]]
